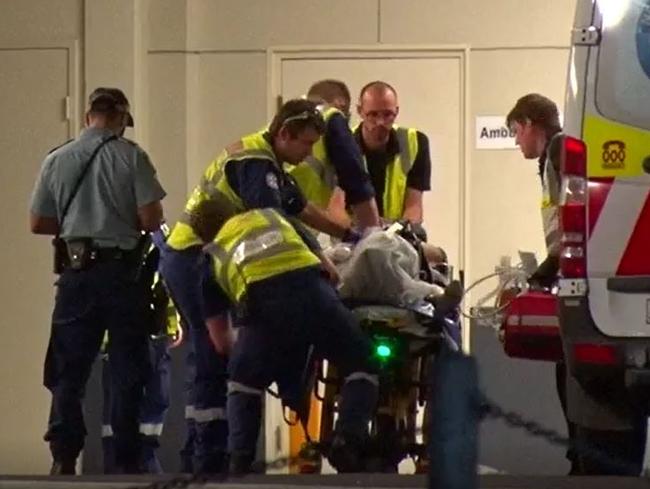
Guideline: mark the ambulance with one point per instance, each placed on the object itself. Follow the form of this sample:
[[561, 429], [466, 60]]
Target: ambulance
[[604, 286]]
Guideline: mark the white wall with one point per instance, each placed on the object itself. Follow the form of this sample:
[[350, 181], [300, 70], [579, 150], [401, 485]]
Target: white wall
[[516, 47], [196, 73]]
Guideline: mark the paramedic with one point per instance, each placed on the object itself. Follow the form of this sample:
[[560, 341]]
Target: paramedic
[[535, 121], [262, 264], [249, 174], [397, 158], [336, 159], [165, 333]]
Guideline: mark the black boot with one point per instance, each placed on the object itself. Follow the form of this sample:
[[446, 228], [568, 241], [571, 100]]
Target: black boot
[[63, 467], [213, 463], [346, 454], [240, 464]]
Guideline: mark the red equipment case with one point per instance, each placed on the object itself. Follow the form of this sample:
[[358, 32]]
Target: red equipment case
[[531, 328]]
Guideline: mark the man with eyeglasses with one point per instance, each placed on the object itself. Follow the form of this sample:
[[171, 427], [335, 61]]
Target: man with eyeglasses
[[397, 158], [336, 159], [249, 175]]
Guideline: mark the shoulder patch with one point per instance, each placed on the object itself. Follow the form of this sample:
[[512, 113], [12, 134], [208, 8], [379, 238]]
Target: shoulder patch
[[60, 146], [272, 181]]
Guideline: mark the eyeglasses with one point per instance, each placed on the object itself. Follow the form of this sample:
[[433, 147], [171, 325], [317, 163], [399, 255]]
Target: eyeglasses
[[387, 115]]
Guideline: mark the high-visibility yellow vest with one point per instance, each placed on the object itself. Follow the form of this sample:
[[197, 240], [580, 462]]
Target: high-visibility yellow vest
[[397, 172], [253, 246], [214, 182], [316, 176]]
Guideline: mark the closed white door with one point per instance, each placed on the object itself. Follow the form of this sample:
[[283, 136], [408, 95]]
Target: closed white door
[[34, 84], [431, 91]]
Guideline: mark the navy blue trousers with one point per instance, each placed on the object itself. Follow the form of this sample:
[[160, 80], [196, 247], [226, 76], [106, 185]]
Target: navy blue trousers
[[182, 273], [88, 303], [284, 317]]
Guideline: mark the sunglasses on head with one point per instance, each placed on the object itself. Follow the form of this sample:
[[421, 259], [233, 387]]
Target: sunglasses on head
[[303, 116]]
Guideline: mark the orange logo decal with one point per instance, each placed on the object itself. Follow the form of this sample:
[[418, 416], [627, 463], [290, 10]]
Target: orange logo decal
[[614, 154]]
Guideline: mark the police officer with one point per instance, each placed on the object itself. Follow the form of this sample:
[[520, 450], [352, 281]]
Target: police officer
[[535, 122], [336, 159], [97, 194], [271, 270], [249, 174]]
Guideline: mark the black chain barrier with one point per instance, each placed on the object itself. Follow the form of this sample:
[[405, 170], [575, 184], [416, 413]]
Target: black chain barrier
[[488, 409], [533, 428]]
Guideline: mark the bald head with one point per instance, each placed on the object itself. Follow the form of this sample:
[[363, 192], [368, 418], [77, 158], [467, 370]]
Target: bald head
[[378, 109], [375, 88]]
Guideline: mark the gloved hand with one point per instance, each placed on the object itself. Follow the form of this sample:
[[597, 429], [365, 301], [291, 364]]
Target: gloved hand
[[546, 274], [351, 236]]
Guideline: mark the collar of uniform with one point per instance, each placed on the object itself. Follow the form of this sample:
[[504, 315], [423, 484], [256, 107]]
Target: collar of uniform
[[94, 132], [541, 162], [267, 138], [392, 146], [544, 156]]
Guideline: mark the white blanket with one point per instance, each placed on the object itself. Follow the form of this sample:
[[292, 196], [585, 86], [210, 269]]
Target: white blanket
[[382, 268]]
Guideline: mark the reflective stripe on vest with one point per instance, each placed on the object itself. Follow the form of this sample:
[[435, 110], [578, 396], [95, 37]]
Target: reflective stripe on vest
[[214, 183], [254, 246], [316, 176], [397, 172], [550, 207]]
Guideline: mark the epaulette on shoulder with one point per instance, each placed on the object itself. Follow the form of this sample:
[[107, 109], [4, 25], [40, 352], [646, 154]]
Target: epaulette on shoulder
[[59, 146]]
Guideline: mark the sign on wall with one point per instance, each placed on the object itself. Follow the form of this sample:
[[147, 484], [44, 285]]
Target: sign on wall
[[492, 133]]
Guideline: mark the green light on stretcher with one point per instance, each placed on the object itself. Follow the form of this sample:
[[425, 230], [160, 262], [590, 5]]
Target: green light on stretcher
[[383, 351]]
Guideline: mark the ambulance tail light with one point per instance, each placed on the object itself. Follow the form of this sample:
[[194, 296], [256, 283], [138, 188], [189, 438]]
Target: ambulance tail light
[[574, 157], [595, 354], [573, 209]]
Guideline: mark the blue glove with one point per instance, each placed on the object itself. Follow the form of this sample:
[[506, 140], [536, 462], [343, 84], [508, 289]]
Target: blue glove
[[351, 236]]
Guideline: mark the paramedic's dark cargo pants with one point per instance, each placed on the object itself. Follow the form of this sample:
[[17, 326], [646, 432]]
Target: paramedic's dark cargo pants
[[285, 315]]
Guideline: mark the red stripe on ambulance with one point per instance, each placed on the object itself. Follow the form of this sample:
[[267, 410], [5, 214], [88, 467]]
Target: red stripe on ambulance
[[636, 258], [598, 191]]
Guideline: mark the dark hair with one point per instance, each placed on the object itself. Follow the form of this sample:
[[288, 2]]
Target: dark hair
[[297, 115], [328, 90], [539, 110], [209, 216], [109, 101], [376, 84]]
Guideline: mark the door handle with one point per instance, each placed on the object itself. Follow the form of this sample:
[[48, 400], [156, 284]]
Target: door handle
[[630, 285]]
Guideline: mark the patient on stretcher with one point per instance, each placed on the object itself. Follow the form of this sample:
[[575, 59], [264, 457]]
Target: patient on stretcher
[[384, 268]]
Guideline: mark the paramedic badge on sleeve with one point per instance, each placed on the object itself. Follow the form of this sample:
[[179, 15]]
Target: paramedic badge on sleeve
[[272, 181]]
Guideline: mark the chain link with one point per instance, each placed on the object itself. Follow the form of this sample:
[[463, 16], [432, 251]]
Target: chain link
[[488, 409], [533, 428]]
